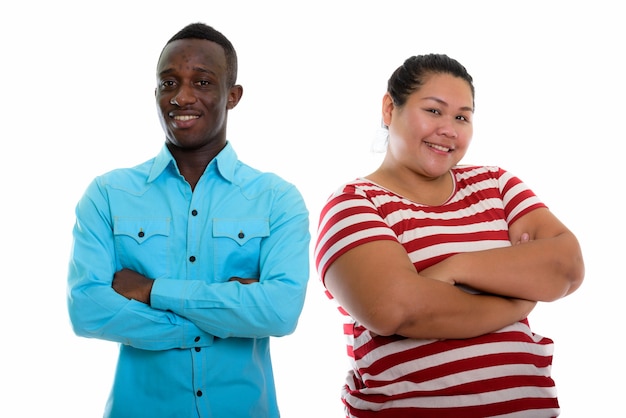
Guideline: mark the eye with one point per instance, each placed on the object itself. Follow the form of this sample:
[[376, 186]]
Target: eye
[[203, 83], [463, 118], [433, 111], [166, 84]]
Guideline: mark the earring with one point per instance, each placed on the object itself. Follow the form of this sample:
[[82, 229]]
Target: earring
[[380, 140]]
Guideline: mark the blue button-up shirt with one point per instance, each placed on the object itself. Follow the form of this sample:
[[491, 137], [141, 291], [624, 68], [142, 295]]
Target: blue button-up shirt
[[201, 349]]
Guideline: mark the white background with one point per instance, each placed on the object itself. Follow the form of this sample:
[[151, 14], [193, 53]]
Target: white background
[[77, 99]]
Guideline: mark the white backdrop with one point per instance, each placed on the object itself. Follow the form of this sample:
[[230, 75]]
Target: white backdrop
[[77, 100]]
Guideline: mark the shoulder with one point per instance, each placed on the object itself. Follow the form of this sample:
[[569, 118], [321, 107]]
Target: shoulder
[[480, 176], [266, 189], [466, 171], [356, 197], [359, 187], [125, 176], [250, 179]]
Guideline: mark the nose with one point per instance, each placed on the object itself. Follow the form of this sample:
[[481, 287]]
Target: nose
[[183, 97], [446, 128]]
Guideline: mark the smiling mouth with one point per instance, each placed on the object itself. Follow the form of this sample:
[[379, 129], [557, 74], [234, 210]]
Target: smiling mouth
[[439, 147], [185, 117]]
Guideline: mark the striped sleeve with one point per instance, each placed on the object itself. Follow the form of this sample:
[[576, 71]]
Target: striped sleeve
[[517, 197], [348, 219]]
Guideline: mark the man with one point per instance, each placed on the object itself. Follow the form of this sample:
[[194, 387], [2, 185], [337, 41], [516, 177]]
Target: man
[[191, 260]]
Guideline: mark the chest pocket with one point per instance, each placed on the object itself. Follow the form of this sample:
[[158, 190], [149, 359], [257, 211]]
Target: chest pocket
[[143, 245], [238, 246]]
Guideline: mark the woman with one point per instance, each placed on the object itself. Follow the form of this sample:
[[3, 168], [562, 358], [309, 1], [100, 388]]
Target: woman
[[418, 256]]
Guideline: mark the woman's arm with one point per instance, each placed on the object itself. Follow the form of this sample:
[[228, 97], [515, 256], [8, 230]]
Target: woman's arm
[[547, 267], [378, 285]]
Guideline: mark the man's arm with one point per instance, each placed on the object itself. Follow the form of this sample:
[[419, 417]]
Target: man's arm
[[136, 286], [96, 310], [241, 307]]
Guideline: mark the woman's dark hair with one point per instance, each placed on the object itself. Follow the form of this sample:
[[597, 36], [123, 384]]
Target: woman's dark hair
[[206, 32], [411, 75]]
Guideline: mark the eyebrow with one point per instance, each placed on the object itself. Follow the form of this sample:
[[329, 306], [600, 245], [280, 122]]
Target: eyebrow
[[438, 100], [197, 69]]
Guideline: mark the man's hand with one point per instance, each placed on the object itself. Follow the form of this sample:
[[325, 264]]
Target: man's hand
[[132, 285], [242, 280]]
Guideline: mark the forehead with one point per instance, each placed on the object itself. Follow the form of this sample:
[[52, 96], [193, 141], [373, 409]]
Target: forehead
[[445, 86], [187, 54]]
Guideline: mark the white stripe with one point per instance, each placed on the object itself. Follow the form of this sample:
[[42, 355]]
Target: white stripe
[[453, 401], [352, 203], [347, 223], [426, 231], [342, 243], [504, 178], [553, 412], [522, 206], [454, 247], [474, 188], [476, 171], [418, 213], [450, 356]]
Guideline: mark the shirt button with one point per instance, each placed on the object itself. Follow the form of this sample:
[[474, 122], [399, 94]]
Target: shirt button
[[198, 349], [141, 234], [194, 212], [241, 235], [197, 339], [199, 393], [192, 258]]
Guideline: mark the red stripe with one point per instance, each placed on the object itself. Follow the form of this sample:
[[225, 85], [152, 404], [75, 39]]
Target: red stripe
[[477, 411]]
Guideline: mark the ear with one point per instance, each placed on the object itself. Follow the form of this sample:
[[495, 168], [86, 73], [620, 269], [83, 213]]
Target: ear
[[234, 95], [388, 107]]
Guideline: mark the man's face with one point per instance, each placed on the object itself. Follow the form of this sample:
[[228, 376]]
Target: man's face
[[192, 94]]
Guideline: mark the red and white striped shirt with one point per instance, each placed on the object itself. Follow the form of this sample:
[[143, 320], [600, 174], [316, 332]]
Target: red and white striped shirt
[[505, 373]]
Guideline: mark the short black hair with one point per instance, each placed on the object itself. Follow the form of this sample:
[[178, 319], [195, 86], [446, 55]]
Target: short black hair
[[204, 31], [410, 76]]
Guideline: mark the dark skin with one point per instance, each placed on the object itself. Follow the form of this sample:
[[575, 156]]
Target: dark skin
[[193, 97]]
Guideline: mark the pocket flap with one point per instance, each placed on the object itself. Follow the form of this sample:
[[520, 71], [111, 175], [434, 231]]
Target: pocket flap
[[141, 229], [241, 230]]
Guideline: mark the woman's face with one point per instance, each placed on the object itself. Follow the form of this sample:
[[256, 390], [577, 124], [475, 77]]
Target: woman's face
[[432, 131]]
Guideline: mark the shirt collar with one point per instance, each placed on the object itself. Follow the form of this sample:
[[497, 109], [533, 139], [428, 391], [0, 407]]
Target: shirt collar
[[224, 162]]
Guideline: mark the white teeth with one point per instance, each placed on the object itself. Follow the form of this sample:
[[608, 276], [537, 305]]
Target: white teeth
[[183, 118], [439, 147]]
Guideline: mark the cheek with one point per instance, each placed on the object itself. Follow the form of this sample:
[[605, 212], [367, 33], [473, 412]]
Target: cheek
[[466, 136], [159, 105], [418, 127], [161, 102]]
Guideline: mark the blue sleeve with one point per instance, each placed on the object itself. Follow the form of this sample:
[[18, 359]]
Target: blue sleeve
[[270, 307], [95, 309]]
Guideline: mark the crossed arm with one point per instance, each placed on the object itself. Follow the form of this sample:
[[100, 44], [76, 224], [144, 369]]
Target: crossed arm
[[548, 266], [133, 285], [378, 285]]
